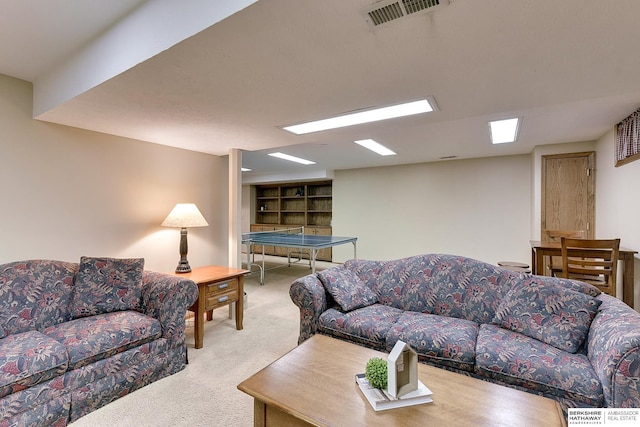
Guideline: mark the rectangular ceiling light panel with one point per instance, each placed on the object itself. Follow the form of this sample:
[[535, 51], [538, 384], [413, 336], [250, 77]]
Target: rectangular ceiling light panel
[[367, 116], [292, 158], [503, 131], [375, 147]]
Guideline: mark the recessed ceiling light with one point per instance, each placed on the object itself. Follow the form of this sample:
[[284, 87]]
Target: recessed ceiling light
[[245, 170], [367, 116], [292, 158], [504, 130], [375, 147]]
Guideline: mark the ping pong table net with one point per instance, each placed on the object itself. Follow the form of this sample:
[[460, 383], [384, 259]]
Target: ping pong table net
[[293, 230]]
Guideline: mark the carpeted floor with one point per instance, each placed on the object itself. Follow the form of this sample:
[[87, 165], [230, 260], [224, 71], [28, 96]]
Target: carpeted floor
[[205, 393]]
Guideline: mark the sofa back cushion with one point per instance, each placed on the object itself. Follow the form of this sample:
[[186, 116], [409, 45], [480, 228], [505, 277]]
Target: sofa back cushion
[[574, 285], [105, 285], [548, 312], [346, 288], [447, 285], [35, 294], [367, 270]]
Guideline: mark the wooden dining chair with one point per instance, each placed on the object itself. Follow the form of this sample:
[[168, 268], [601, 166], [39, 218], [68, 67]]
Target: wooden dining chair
[[555, 263], [594, 261]]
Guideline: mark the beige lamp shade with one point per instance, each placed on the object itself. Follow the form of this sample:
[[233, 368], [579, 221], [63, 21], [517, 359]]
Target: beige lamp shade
[[182, 216], [185, 215]]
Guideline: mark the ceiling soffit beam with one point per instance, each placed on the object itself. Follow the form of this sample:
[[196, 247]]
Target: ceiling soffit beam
[[150, 29]]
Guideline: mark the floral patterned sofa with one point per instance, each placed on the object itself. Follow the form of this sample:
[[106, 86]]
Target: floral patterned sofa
[[76, 336], [559, 338]]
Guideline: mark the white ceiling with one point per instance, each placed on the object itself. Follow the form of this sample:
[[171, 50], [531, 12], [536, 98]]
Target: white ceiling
[[569, 68]]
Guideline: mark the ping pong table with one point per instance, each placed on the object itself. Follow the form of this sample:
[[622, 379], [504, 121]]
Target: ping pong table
[[292, 239]]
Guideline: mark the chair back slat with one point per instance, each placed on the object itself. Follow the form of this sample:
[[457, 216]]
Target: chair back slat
[[555, 262], [556, 235], [594, 261]]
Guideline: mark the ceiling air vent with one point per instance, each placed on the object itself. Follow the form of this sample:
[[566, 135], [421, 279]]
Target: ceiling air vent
[[386, 11]]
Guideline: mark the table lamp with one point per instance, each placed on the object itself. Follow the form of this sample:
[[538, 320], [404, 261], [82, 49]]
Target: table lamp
[[184, 215]]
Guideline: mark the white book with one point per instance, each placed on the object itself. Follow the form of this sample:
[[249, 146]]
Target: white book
[[381, 400]]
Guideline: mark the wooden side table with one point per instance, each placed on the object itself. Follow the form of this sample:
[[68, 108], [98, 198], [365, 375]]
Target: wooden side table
[[217, 287]]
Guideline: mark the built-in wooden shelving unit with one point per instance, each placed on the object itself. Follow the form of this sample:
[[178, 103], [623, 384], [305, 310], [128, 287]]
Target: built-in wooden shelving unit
[[279, 206]]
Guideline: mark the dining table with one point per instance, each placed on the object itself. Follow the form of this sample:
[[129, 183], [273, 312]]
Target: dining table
[[540, 250]]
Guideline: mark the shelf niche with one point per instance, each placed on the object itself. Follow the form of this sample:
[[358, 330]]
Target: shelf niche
[[308, 204]]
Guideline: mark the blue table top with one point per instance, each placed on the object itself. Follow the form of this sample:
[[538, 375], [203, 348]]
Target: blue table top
[[295, 240]]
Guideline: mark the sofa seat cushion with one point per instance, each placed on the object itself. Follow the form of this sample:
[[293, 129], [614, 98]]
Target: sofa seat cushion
[[97, 337], [29, 358], [438, 340], [519, 360], [367, 325]]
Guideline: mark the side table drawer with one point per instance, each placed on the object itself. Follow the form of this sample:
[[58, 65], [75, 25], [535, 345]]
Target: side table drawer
[[221, 299], [220, 293], [224, 287]]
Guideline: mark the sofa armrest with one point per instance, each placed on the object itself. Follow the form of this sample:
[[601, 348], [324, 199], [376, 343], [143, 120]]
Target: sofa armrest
[[167, 298], [309, 295], [614, 352]]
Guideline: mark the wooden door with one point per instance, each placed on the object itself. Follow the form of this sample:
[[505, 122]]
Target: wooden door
[[568, 193]]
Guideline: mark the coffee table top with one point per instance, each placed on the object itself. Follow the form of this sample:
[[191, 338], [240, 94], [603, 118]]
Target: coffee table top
[[315, 382]]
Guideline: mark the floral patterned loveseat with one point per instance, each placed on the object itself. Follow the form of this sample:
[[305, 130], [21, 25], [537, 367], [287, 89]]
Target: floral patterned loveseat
[[559, 338], [76, 336]]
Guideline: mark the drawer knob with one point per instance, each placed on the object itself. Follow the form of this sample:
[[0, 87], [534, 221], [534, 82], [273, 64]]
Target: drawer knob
[[223, 285], [223, 299]]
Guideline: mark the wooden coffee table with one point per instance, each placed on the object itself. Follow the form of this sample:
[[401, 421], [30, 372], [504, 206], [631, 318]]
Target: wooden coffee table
[[314, 385]]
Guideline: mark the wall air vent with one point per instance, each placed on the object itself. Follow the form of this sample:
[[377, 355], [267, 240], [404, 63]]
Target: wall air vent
[[386, 11]]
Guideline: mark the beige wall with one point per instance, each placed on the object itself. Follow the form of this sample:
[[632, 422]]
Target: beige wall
[[618, 201], [478, 208], [67, 192]]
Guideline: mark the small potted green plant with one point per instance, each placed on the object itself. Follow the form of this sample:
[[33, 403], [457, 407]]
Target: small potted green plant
[[376, 372]]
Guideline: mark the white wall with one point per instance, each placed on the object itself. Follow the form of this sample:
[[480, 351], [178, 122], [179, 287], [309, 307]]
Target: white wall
[[478, 208], [67, 192], [618, 202]]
